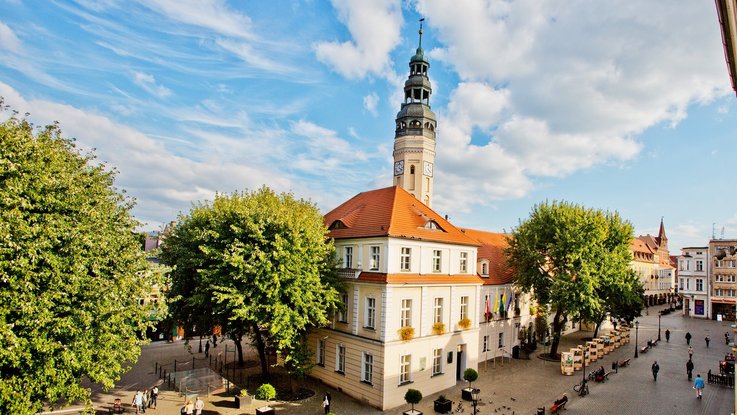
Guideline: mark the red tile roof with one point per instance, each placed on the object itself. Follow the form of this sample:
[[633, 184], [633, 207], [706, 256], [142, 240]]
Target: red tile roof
[[394, 212], [492, 248]]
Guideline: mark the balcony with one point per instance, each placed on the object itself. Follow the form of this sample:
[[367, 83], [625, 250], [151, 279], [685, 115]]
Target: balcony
[[349, 273]]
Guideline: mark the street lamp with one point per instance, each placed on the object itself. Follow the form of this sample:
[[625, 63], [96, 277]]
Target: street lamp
[[659, 315], [637, 327], [475, 398]]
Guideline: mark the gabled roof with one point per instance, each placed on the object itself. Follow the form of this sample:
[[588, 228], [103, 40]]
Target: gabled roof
[[639, 245], [492, 249], [394, 212]]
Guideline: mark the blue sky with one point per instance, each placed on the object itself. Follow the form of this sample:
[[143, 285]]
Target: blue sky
[[617, 105]]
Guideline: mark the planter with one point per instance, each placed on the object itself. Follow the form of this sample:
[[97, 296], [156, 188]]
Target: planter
[[466, 394], [412, 412], [442, 407], [242, 401], [265, 410]]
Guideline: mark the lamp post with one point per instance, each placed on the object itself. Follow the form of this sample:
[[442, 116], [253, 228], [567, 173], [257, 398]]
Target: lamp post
[[583, 359], [637, 327], [475, 398], [659, 315]]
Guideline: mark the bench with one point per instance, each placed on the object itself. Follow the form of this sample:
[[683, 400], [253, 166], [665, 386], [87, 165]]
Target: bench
[[558, 406], [653, 343], [623, 363], [121, 409], [644, 349]]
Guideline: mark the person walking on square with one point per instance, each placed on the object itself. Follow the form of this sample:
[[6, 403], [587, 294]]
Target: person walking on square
[[667, 336], [655, 369], [688, 338], [144, 396], [207, 348], [698, 384], [154, 396], [706, 339], [689, 369], [726, 339], [690, 352], [326, 402], [138, 401], [199, 405]]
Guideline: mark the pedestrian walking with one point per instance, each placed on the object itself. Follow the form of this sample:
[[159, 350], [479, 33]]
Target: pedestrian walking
[[199, 405], [189, 408], [667, 336], [698, 384], [326, 402], [688, 338], [726, 339], [138, 401], [690, 352], [689, 369], [154, 396], [214, 340], [655, 368], [144, 397], [207, 348], [706, 339]]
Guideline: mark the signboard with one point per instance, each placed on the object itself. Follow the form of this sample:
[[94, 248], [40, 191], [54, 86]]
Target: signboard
[[698, 307]]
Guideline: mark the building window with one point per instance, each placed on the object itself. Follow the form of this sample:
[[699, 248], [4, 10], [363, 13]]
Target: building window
[[437, 362], [464, 262], [406, 314], [486, 344], [484, 269], [436, 260], [464, 307], [699, 284], [320, 352], [688, 284], [348, 257], [340, 359], [438, 310], [343, 310], [367, 368], [370, 312], [375, 258], [404, 259], [501, 340], [404, 368], [680, 284], [699, 265]]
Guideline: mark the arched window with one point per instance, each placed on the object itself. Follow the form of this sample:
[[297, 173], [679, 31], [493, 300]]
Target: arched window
[[412, 169]]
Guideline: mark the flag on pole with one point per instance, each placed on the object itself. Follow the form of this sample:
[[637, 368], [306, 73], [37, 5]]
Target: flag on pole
[[496, 302], [486, 313], [509, 301], [501, 306]]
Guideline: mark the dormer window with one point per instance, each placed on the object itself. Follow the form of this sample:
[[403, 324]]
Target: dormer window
[[338, 224], [431, 224]]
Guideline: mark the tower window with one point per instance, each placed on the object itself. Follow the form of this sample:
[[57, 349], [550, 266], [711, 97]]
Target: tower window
[[412, 169]]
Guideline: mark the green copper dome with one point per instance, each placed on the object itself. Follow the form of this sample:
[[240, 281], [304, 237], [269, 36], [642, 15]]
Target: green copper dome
[[419, 57]]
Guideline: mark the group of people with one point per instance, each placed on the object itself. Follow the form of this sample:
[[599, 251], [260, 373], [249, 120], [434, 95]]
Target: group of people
[[145, 399], [193, 408]]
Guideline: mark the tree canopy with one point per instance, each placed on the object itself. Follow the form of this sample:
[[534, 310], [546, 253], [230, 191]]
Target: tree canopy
[[574, 260], [70, 271], [256, 263]]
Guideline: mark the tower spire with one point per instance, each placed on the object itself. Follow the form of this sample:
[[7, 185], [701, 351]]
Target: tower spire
[[419, 48]]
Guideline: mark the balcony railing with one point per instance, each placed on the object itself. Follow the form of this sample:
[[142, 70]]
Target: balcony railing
[[349, 273]]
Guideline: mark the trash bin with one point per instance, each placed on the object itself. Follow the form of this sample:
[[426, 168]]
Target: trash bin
[[515, 352], [614, 365], [541, 411]]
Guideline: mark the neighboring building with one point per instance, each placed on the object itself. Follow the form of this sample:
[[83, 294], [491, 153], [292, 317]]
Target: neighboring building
[[411, 316], [693, 281], [723, 277], [727, 13], [651, 262], [414, 137]]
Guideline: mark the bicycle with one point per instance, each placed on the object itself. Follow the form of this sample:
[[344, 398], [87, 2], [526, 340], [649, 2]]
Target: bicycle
[[582, 388]]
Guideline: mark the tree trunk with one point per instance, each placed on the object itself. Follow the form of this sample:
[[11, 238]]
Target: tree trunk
[[261, 347], [557, 328], [237, 338]]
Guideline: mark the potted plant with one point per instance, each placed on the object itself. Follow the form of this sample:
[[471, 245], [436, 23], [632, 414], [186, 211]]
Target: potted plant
[[464, 323], [243, 399], [412, 397], [265, 392], [406, 333], [469, 375], [438, 328], [442, 405]]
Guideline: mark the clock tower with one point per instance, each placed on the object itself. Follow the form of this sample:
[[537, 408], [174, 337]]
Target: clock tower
[[414, 138]]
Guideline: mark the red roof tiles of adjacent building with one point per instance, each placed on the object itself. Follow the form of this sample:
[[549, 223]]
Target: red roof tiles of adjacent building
[[492, 249], [394, 212]]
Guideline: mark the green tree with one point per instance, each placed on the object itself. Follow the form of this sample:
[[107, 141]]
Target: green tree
[[412, 397], [561, 254], [258, 264], [470, 375], [71, 272]]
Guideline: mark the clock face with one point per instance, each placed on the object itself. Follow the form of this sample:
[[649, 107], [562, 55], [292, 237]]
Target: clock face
[[427, 169], [399, 167]]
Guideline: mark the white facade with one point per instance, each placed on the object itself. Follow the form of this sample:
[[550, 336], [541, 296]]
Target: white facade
[[693, 281]]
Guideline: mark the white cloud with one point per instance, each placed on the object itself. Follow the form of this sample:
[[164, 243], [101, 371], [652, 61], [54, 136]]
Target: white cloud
[[148, 83], [214, 15], [8, 39], [370, 103], [374, 27]]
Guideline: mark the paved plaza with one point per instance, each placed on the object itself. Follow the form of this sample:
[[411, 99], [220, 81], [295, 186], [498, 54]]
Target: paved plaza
[[512, 387]]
